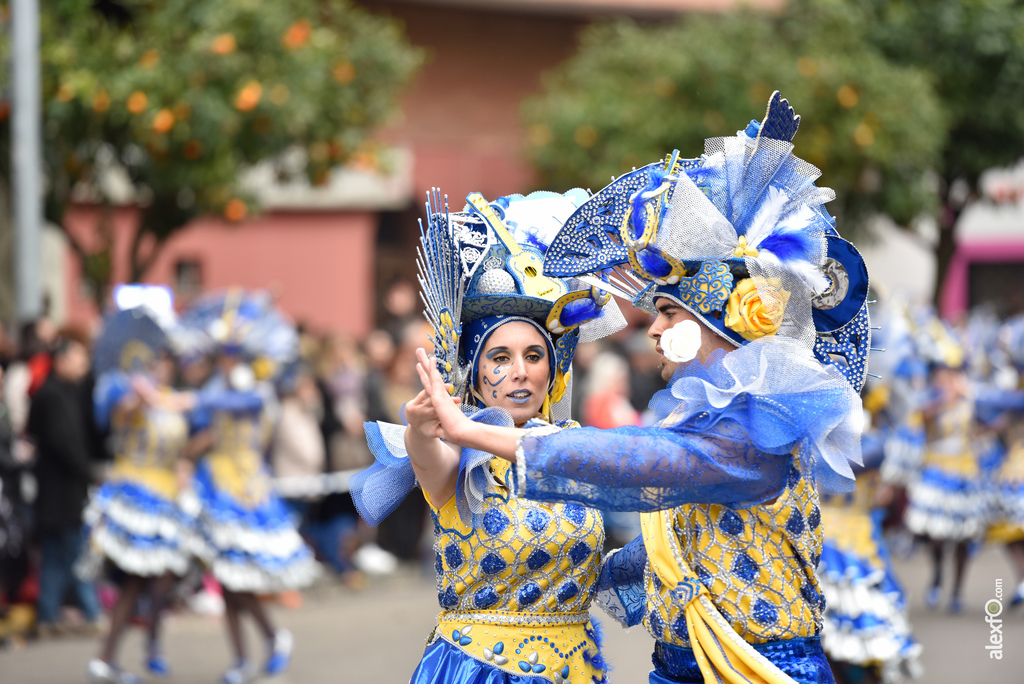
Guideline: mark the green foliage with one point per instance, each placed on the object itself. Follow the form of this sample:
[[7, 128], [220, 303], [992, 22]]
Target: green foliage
[[183, 95], [633, 93], [974, 50]]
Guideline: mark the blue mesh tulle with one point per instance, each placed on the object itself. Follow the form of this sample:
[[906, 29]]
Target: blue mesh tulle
[[725, 436], [379, 489], [620, 586]]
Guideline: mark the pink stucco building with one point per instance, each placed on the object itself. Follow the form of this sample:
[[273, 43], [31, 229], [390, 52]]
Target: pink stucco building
[[329, 251]]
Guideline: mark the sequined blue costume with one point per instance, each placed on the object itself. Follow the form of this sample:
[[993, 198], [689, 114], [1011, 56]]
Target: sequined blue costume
[[248, 538], [133, 518], [731, 459], [515, 578]]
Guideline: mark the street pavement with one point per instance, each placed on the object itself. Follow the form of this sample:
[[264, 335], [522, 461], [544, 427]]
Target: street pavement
[[377, 635]]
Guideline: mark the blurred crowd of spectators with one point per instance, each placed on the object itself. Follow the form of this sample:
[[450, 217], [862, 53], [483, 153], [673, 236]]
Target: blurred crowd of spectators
[[52, 453]]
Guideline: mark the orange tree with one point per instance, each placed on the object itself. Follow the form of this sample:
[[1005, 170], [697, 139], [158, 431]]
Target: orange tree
[[173, 99], [634, 92]]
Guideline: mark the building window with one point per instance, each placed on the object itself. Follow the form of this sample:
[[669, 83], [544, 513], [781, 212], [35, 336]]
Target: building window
[[188, 278]]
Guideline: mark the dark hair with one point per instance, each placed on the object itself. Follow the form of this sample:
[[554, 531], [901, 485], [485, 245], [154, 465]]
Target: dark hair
[[68, 336]]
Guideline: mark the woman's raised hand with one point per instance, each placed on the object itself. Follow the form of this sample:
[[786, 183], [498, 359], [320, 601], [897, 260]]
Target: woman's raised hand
[[443, 408]]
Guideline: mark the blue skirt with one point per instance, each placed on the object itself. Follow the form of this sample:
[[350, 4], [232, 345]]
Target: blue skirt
[[802, 659], [443, 663], [250, 547], [139, 531]]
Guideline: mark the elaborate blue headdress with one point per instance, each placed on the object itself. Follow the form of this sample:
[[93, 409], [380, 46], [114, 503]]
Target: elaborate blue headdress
[[131, 338], [484, 266], [739, 237], [240, 322]]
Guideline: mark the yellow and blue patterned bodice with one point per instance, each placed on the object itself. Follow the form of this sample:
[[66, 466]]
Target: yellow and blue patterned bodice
[[236, 457], [522, 583], [758, 564], [147, 444], [949, 441], [528, 556]]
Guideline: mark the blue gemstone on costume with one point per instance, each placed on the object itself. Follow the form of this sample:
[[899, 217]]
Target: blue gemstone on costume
[[567, 591], [538, 559], [814, 519], [730, 523], [437, 564], [795, 524], [485, 598], [575, 514], [744, 567], [524, 666], [810, 594], [492, 564], [495, 522], [679, 627], [579, 552], [538, 668], [453, 556], [703, 575], [537, 521], [765, 613], [657, 625], [465, 641], [456, 635], [448, 598], [794, 476], [498, 648], [529, 594], [565, 672]]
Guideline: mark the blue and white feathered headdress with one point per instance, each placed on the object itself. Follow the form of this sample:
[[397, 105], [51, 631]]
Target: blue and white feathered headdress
[[739, 237]]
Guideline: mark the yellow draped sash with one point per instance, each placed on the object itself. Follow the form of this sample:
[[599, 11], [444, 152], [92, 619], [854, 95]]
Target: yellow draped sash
[[723, 656]]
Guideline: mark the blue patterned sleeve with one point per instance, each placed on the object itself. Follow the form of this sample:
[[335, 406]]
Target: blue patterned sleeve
[[620, 584], [649, 469]]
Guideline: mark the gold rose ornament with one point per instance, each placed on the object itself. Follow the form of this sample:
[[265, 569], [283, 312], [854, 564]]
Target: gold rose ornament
[[750, 315]]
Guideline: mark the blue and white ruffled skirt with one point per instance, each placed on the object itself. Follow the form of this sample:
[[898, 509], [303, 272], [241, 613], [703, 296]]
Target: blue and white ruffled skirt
[[250, 546]]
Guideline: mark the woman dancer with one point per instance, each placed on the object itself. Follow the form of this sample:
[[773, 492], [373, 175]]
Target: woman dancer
[[515, 579], [947, 500], [250, 542], [134, 521]]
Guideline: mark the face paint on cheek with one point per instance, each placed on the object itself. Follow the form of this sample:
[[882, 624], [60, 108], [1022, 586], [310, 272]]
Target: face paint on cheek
[[498, 370]]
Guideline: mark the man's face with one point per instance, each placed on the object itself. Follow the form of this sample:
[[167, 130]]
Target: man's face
[[669, 314]]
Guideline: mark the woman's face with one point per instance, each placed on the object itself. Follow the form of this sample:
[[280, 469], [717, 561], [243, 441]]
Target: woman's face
[[162, 370], [514, 370]]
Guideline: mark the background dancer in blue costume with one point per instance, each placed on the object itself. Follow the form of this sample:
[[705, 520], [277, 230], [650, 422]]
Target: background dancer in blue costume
[[1007, 525], [250, 542], [748, 275], [867, 633], [134, 521], [515, 578], [948, 502]]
